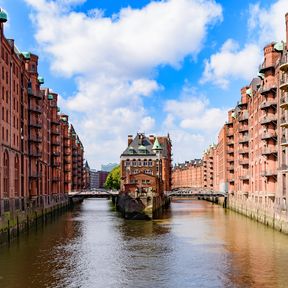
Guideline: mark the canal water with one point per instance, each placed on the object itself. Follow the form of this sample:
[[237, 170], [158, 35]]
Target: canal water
[[196, 244]]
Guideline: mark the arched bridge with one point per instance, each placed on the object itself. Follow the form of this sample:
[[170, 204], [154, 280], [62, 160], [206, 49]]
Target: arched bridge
[[195, 192], [93, 193]]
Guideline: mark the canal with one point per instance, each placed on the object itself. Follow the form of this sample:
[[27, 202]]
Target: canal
[[196, 244]]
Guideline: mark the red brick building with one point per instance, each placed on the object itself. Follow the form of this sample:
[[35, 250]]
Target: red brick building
[[250, 158], [146, 165], [37, 143], [188, 174]]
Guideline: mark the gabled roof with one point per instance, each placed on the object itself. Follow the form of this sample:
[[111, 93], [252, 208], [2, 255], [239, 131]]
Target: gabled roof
[[156, 145], [140, 145]]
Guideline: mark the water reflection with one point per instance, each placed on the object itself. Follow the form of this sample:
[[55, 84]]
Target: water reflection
[[195, 244]]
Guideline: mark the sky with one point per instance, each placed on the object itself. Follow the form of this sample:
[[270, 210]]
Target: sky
[[158, 67]]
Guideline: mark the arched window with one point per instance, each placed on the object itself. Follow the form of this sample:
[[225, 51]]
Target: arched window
[[6, 174], [16, 177]]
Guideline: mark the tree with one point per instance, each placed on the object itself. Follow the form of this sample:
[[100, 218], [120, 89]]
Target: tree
[[113, 179]]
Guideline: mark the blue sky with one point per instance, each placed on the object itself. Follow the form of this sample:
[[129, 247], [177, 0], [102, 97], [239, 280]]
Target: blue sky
[[173, 66]]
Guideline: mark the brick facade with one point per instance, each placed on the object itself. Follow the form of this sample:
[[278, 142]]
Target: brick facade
[[36, 140]]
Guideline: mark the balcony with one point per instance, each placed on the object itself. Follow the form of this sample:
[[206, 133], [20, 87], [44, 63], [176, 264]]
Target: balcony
[[55, 154], [244, 139], [244, 162], [56, 143], [230, 159], [267, 104], [269, 151], [231, 168], [56, 164], [243, 128], [269, 135], [230, 142], [268, 119], [35, 123], [35, 153], [35, 108], [284, 142], [284, 83], [55, 122], [284, 123], [284, 168], [35, 94], [269, 173], [264, 90], [55, 131], [230, 132], [284, 102], [35, 175], [243, 150], [284, 63], [244, 177], [244, 116], [266, 66], [231, 180], [36, 139], [230, 151]]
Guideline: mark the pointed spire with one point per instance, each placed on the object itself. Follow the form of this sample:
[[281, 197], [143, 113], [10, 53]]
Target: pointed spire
[[156, 145]]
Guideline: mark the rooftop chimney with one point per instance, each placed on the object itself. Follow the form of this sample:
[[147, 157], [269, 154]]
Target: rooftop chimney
[[130, 139], [151, 138]]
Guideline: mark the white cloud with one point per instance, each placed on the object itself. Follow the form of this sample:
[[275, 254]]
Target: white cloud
[[193, 123], [232, 63], [114, 60], [268, 24]]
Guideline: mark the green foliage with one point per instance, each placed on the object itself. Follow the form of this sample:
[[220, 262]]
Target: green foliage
[[113, 179]]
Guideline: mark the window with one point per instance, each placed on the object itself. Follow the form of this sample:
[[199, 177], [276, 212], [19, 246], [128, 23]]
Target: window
[[6, 174], [16, 179]]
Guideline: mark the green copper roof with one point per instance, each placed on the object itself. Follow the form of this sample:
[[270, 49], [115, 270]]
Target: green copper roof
[[279, 46], [261, 75], [142, 149], [58, 109], [41, 80], [3, 16], [50, 97], [249, 92], [26, 55], [156, 145]]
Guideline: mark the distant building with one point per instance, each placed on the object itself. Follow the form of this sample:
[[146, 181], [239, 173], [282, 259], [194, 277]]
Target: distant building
[[108, 167], [97, 178], [86, 176]]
